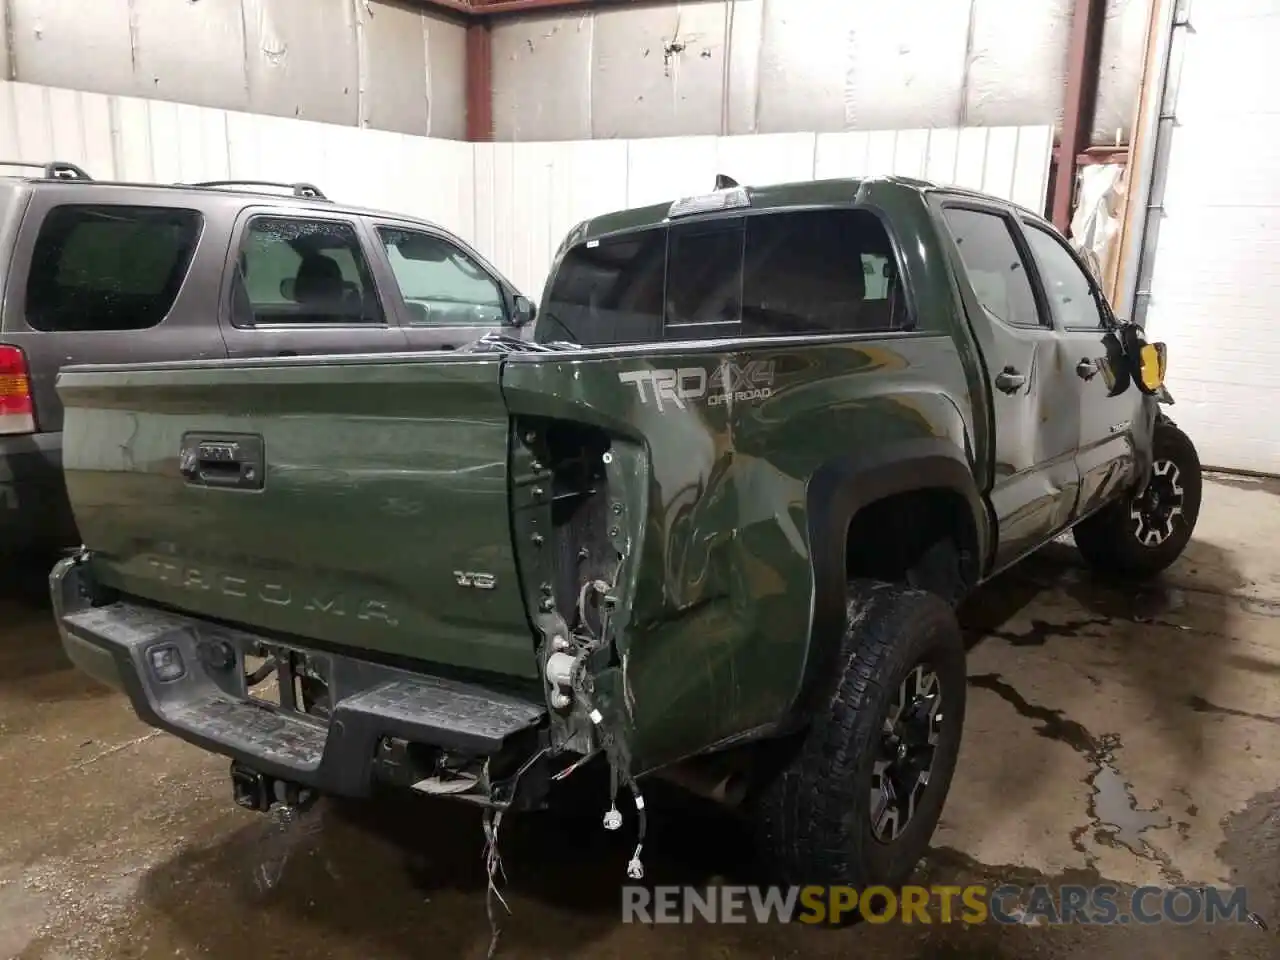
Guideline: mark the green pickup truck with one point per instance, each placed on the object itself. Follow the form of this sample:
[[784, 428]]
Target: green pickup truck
[[710, 521]]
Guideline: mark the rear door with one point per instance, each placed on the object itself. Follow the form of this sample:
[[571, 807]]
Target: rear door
[[1033, 389], [304, 282], [1105, 452], [445, 293], [102, 281]]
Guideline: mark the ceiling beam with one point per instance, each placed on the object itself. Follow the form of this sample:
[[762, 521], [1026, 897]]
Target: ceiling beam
[[484, 9]]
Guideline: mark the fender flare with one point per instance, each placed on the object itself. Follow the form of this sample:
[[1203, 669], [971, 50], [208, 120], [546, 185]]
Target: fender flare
[[834, 495]]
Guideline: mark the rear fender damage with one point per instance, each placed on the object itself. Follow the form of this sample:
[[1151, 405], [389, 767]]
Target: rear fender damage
[[578, 502]]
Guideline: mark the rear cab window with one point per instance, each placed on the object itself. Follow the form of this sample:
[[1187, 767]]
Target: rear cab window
[[821, 272], [792, 273], [108, 267], [609, 291]]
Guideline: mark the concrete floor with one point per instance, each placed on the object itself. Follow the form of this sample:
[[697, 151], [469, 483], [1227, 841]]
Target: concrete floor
[[1111, 735]]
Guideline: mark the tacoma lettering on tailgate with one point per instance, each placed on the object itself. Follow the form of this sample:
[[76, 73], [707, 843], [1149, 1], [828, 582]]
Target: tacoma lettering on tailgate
[[276, 593]]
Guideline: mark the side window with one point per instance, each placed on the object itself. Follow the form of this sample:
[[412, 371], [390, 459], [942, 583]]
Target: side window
[[820, 272], [1066, 285], [302, 271], [994, 266], [441, 285], [109, 267], [608, 291], [704, 281]]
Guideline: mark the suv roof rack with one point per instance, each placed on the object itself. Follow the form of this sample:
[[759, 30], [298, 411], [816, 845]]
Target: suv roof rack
[[52, 170], [307, 191]]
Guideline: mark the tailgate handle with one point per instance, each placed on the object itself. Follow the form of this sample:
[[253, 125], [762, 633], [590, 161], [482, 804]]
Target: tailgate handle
[[228, 461]]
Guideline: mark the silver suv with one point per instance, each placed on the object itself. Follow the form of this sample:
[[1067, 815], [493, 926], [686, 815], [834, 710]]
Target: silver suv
[[99, 272]]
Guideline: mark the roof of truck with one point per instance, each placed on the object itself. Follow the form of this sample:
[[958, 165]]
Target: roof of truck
[[838, 191]]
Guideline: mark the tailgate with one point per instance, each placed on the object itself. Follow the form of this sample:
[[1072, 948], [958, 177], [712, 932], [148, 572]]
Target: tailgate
[[358, 501]]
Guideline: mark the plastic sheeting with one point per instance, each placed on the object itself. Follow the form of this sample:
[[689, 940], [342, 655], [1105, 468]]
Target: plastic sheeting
[[1098, 219]]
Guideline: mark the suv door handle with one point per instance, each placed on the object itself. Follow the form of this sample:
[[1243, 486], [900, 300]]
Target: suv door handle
[[1086, 369], [1010, 380]]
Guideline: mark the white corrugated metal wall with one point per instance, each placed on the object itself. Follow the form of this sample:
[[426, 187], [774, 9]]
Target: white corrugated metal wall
[[528, 195], [514, 201], [127, 138], [1214, 291]]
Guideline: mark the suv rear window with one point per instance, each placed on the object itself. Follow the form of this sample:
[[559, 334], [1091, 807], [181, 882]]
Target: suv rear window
[[808, 272], [108, 267]]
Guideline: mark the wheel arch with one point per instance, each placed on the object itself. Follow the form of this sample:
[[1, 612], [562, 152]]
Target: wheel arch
[[847, 487]]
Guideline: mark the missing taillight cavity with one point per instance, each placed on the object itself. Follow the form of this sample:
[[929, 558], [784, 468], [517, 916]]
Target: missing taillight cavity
[[17, 412], [579, 517]]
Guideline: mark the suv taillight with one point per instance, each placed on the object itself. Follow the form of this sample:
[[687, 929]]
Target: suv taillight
[[17, 412]]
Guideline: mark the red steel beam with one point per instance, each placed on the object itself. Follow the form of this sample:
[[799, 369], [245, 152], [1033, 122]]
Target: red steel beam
[[1084, 55], [479, 81], [452, 6], [479, 51], [480, 9], [490, 8], [1094, 155]]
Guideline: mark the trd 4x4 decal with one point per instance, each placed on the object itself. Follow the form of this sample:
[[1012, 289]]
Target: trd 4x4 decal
[[724, 383]]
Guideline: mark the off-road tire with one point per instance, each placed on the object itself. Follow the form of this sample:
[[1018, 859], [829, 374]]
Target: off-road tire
[[1109, 540], [813, 818]]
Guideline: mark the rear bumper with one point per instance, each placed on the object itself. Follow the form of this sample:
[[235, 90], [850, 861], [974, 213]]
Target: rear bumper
[[34, 511], [208, 705]]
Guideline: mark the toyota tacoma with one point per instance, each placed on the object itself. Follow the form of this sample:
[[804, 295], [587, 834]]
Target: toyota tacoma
[[711, 520]]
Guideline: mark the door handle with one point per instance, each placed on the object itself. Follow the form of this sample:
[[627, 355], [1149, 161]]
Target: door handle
[[1086, 369], [1010, 380], [287, 353]]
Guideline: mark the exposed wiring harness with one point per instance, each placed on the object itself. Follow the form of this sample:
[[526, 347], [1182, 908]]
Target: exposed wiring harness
[[492, 858], [635, 868], [613, 817], [563, 774], [608, 745]]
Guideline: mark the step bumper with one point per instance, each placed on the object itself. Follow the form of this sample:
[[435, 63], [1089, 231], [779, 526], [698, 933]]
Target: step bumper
[[186, 676]]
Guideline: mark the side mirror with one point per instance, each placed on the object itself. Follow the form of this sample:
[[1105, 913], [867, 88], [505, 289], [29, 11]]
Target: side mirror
[[286, 288], [1154, 359], [1148, 361], [524, 312], [1115, 366]]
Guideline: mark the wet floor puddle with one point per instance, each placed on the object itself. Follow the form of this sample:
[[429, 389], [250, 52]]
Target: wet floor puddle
[[1115, 818]]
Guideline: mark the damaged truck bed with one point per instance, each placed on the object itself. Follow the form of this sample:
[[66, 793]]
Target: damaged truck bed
[[711, 522]]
